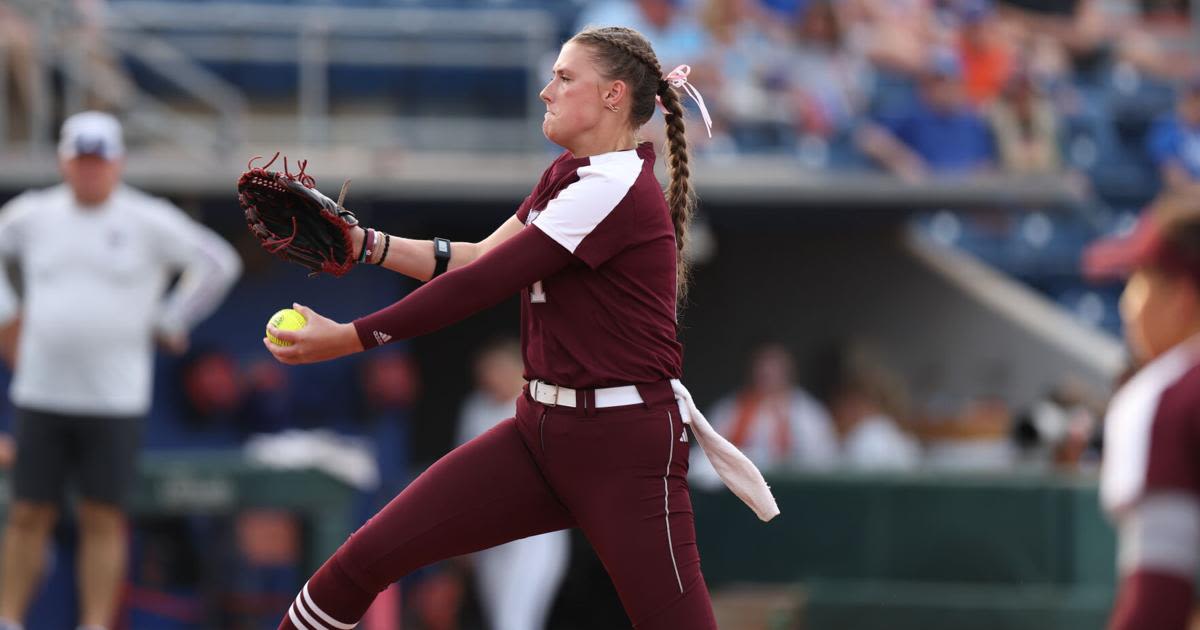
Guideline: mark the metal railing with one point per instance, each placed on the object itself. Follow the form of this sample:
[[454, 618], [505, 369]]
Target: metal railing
[[177, 42], [316, 38]]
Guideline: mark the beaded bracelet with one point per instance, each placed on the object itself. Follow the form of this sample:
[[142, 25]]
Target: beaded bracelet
[[387, 243]]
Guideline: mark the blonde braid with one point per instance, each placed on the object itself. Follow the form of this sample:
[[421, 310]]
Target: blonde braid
[[680, 197]]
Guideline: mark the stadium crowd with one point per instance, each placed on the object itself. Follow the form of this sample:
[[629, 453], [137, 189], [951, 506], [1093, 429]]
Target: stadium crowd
[[844, 83]]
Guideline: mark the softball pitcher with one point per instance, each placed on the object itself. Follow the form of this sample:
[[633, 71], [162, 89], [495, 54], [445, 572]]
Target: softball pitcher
[[598, 441]]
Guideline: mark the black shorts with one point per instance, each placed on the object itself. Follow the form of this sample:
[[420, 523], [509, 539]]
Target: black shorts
[[97, 455]]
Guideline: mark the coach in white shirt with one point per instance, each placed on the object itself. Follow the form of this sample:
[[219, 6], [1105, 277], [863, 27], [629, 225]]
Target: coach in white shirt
[[96, 258], [778, 424]]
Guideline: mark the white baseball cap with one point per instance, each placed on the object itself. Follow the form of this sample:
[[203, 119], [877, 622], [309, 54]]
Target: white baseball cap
[[91, 133]]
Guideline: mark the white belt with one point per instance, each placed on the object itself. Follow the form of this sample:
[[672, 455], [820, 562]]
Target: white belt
[[556, 395], [735, 469]]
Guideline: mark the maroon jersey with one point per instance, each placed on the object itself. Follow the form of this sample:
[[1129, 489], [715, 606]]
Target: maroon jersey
[[1151, 487], [596, 273], [608, 318]]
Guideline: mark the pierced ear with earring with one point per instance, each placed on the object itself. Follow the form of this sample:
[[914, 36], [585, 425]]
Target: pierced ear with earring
[[613, 108]]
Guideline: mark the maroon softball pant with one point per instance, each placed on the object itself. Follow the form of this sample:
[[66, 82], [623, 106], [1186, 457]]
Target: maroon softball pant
[[619, 474]]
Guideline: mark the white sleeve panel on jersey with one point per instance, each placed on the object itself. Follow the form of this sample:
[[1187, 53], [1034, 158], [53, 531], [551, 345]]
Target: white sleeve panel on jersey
[[1161, 532], [209, 263], [1127, 428], [581, 206]]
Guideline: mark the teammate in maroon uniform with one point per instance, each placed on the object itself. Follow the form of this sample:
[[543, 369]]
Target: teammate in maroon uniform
[[1151, 476], [598, 441]]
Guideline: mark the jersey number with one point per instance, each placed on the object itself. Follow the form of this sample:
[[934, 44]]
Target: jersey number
[[537, 295]]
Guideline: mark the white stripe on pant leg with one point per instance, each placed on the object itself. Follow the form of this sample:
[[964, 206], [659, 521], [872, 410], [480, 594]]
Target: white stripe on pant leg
[[317, 625], [667, 495], [321, 613], [295, 620]]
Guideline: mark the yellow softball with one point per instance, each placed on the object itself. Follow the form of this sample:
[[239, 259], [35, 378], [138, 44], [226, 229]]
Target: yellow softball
[[285, 319]]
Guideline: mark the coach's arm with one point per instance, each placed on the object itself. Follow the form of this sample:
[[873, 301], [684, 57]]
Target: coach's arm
[[414, 258], [16, 218]]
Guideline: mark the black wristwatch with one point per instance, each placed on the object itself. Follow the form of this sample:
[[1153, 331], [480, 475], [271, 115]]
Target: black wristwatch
[[441, 256]]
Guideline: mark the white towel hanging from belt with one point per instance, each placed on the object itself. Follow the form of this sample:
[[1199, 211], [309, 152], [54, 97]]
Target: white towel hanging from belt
[[734, 468]]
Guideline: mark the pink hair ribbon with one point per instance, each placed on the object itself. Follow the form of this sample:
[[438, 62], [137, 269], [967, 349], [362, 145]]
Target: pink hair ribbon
[[678, 78]]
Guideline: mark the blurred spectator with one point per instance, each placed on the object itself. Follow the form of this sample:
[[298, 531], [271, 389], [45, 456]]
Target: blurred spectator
[[986, 51], [222, 401], [19, 52], [776, 423], [672, 28], [1044, 58], [1082, 27], [1025, 127], [940, 134], [1059, 428], [109, 86], [829, 78], [745, 64], [866, 400], [1140, 54], [1174, 140], [895, 35], [518, 580]]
